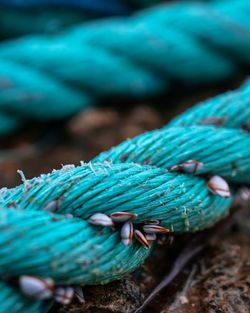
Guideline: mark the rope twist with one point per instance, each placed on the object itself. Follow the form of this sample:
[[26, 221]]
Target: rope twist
[[166, 175]]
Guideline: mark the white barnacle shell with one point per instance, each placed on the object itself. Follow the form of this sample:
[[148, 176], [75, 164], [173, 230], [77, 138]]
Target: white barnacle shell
[[79, 294], [141, 238], [244, 193], [217, 185], [155, 229], [216, 121], [36, 288], [151, 237], [127, 233], [189, 167], [121, 217], [192, 166], [51, 206], [100, 219], [64, 295]]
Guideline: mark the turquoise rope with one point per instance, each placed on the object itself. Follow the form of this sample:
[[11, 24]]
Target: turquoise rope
[[72, 251], [134, 57], [233, 106], [179, 141], [13, 301]]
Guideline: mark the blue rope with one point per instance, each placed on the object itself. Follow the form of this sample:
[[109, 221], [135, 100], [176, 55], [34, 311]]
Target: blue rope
[[170, 175], [135, 57]]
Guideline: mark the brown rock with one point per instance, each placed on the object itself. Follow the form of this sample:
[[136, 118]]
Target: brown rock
[[117, 297], [145, 117], [92, 120]]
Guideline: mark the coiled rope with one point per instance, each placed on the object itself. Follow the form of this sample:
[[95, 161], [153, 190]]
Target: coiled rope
[[44, 223], [48, 78]]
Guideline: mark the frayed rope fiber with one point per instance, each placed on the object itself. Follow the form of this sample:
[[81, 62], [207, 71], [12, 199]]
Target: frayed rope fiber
[[44, 223], [46, 78]]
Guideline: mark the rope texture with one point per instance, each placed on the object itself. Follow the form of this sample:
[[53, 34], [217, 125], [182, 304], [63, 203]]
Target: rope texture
[[131, 177], [135, 57]]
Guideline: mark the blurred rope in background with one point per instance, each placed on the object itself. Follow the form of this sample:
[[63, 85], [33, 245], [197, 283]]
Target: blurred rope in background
[[184, 43], [18, 18], [36, 241], [102, 6], [48, 20]]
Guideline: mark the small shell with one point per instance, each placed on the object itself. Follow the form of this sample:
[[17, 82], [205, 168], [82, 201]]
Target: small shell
[[127, 233], [79, 294], [141, 238], [155, 229], [121, 217], [189, 167], [218, 186], [68, 215], [215, 121], [64, 295], [36, 288], [244, 193], [151, 237], [51, 206], [100, 219]]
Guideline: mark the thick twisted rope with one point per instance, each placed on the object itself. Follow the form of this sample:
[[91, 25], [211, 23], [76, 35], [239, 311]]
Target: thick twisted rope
[[64, 246], [47, 78]]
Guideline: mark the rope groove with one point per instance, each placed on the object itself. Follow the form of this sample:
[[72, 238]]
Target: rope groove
[[132, 177], [157, 49]]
